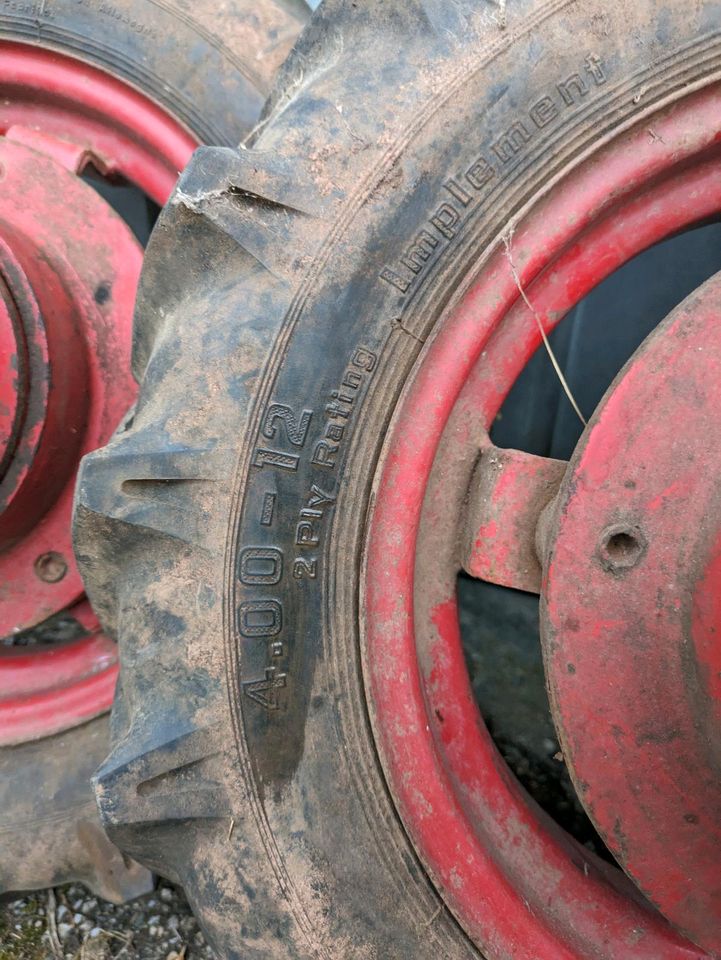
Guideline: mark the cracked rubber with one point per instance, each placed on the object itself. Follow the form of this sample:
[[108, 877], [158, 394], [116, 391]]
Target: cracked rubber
[[49, 829], [243, 763]]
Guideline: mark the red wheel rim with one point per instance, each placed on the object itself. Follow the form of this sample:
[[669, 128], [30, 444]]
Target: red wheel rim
[[65, 685], [74, 101], [69, 272], [518, 885]]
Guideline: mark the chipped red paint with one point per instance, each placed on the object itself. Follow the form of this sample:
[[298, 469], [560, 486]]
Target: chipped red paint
[[705, 620], [507, 494], [40, 693], [637, 701], [69, 268], [519, 886]]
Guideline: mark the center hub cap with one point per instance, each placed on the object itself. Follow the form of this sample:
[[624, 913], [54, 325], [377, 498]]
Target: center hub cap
[[631, 614]]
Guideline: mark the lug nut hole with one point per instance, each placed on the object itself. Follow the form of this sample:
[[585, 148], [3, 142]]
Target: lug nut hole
[[621, 547]]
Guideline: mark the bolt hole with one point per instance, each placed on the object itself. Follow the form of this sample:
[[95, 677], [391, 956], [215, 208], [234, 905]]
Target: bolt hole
[[102, 293], [621, 547], [51, 567]]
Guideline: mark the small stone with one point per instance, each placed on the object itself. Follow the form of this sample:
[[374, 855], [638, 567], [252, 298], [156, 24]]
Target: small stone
[[90, 905], [166, 895], [61, 912], [78, 918], [64, 930], [96, 949], [95, 932]]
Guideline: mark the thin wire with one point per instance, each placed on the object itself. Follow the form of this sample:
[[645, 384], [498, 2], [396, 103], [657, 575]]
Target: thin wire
[[549, 349]]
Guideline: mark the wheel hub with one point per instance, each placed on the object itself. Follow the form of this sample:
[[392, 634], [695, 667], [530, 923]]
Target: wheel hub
[[631, 613], [50, 406], [68, 272]]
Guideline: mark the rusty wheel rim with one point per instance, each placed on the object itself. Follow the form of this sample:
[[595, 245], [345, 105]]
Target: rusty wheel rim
[[517, 883]]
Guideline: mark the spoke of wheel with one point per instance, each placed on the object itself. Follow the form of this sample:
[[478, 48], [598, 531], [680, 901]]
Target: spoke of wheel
[[508, 494]]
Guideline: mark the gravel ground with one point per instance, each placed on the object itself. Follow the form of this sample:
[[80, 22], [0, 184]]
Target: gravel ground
[[69, 923]]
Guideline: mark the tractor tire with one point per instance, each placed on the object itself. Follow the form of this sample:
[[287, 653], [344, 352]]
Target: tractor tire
[[49, 829], [289, 293]]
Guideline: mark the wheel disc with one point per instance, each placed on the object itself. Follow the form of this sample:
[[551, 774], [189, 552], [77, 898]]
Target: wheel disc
[[69, 267], [630, 615]]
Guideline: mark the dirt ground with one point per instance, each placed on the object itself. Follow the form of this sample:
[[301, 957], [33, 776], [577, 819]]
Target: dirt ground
[[69, 923]]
